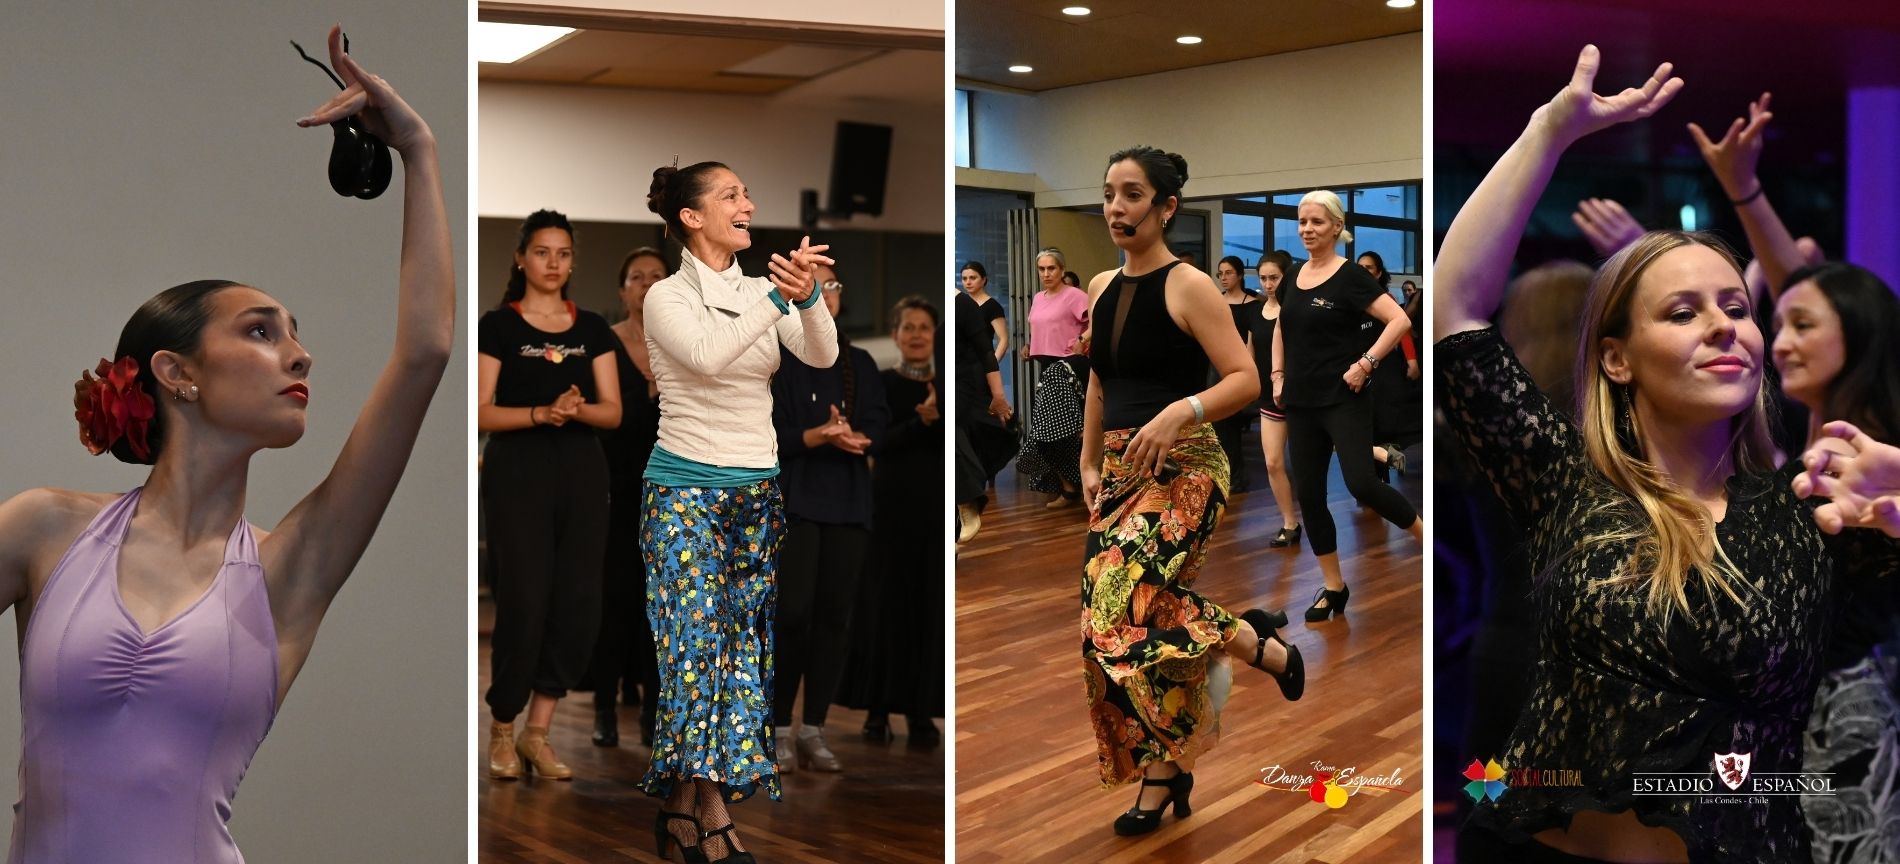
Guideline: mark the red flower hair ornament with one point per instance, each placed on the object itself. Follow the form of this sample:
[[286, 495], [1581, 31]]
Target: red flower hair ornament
[[113, 406]]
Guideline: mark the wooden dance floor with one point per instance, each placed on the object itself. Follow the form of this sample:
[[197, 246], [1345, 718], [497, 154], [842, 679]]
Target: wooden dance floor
[[887, 806], [1027, 788]]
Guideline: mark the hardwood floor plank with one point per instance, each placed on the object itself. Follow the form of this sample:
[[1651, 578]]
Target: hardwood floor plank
[[887, 806], [1026, 781]]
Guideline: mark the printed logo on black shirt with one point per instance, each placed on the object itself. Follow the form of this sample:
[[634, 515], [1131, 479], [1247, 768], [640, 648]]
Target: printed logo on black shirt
[[553, 353]]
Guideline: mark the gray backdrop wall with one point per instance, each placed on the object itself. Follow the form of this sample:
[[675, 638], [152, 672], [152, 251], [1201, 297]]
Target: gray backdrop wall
[[145, 145]]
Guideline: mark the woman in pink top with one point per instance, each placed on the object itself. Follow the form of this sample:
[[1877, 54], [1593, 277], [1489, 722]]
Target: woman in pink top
[[1058, 345]]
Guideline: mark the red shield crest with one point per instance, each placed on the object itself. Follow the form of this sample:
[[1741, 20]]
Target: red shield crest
[[1732, 769]]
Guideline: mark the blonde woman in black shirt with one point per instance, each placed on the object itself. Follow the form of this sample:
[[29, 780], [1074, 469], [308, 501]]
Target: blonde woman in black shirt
[[1319, 375]]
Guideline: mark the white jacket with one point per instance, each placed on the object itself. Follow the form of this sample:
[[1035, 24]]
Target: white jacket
[[713, 340]]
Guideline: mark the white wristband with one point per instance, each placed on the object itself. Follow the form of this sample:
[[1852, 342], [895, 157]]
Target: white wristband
[[1200, 411]]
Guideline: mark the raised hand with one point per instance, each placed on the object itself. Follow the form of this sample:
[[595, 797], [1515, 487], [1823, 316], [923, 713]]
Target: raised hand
[[1606, 225], [1577, 110], [1733, 158], [370, 98], [1859, 476]]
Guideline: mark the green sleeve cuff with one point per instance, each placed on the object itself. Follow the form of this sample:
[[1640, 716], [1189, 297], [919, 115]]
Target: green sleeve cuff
[[783, 308], [809, 301]]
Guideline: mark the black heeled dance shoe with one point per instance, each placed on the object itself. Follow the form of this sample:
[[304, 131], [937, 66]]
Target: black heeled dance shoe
[[733, 855], [1266, 625], [1335, 604], [1286, 537], [922, 734], [877, 730], [663, 838], [1138, 821], [606, 726]]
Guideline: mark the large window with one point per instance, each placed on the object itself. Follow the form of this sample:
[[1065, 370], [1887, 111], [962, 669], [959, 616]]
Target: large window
[[1383, 219], [963, 128]]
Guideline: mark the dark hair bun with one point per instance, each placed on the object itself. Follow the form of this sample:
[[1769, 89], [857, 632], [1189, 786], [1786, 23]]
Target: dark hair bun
[[656, 193], [1180, 164]]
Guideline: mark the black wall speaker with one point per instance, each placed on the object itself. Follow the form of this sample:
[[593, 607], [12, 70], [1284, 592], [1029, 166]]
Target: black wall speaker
[[860, 162]]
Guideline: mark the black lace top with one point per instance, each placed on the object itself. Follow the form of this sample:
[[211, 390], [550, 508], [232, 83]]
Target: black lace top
[[1617, 693]]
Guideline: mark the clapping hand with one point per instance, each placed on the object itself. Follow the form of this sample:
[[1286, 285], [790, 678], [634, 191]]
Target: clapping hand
[[837, 432], [927, 409], [566, 406], [796, 277]]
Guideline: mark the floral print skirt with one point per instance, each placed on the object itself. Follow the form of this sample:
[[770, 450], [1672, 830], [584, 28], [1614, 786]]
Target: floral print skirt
[[712, 561], [1146, 636]]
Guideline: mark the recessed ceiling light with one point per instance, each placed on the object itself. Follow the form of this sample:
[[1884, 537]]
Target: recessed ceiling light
[[1188, 40], [1021, 69], [1401, 4], [506, 43], [1075, 10]]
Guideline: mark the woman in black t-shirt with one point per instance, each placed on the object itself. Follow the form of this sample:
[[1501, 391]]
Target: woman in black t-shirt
[[625, 645], [547, 382], [976, 283], [1319, 373]]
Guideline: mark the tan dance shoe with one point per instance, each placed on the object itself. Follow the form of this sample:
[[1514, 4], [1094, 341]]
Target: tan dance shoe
[[502, 762], [532, 743], [969, 521], [783, 744], [813, 754]]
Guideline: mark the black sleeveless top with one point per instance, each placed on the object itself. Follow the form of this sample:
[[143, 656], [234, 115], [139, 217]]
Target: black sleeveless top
[[1143, 359], [1262, 331]]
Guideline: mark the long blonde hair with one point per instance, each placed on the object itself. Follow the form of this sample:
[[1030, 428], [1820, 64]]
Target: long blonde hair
[[1674, 534]]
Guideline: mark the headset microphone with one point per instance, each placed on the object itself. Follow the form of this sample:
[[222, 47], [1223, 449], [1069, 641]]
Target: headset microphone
[[1129, 230]]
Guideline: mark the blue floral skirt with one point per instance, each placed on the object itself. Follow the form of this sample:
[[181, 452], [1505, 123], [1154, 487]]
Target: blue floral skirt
[[712, 560]]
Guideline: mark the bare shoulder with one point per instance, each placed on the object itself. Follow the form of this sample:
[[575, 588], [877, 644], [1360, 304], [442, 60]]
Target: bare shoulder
[[1099, 284], [37, 520], [47, 509], [1190, 279]]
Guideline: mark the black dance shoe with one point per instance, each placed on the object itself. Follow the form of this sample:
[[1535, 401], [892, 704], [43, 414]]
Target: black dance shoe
[[1335, 604], [663, 839], [922, 734], [606, 726], [1138, 821], [1266, 625], [1286, 537], [733, 855], [877, 729]]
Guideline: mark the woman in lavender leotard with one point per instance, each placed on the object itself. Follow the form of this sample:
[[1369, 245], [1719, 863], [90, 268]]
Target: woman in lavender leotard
[[161, 630]]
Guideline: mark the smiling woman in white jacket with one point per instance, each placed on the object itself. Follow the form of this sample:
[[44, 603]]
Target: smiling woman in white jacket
[[712, 516]]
